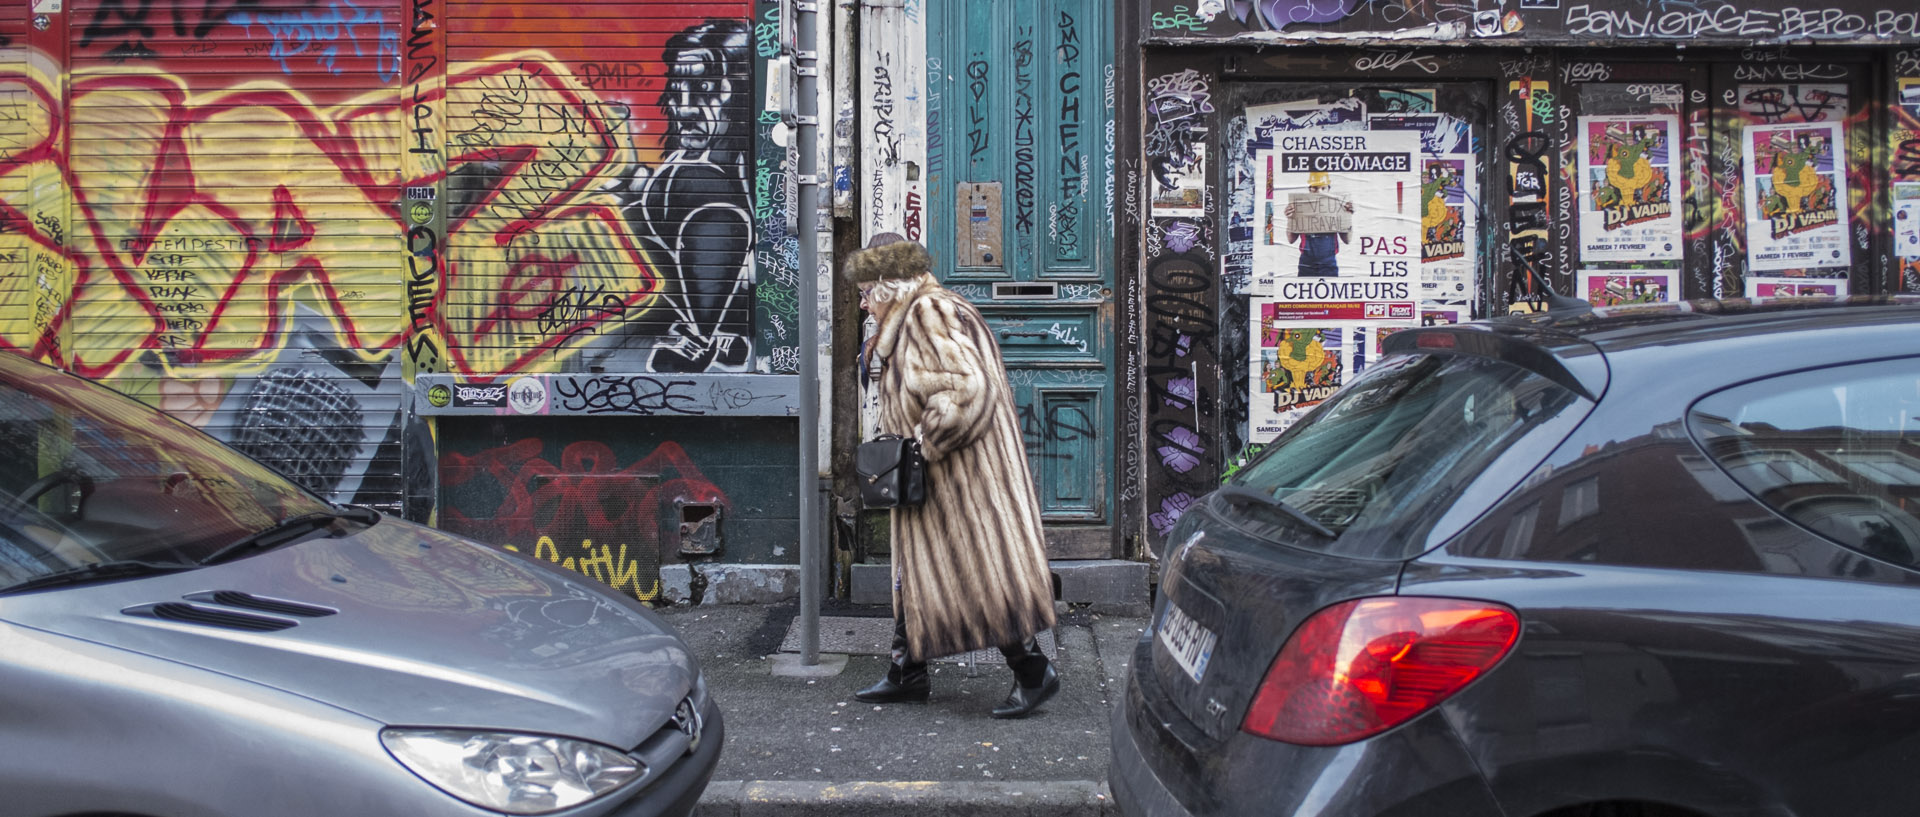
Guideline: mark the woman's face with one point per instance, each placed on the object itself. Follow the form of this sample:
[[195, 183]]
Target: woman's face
[[874, 302]]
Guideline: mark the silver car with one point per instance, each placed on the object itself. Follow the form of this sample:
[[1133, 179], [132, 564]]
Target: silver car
[[184, 632]]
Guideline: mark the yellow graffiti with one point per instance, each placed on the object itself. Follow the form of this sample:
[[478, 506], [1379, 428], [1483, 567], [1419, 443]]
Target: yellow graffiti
[[601, 563], [185, 230], [540, 256], [165, 234]]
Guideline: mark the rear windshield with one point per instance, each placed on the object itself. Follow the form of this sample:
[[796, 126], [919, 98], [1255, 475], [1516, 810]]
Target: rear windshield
[[1378, 462]]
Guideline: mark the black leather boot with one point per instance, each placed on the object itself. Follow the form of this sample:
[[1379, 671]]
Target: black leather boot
[[1034, 680], [906, 681]]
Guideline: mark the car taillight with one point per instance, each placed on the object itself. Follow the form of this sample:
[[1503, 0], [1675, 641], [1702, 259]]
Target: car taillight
[[1361, 667]]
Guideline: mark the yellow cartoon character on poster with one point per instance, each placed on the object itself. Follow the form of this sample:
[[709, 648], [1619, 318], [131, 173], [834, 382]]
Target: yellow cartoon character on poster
[[1301, 356], [1438, 221], [1797, 186], [1631, 176]]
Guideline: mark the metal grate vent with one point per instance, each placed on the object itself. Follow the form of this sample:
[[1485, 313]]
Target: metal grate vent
[[235, 598], [195, 614]]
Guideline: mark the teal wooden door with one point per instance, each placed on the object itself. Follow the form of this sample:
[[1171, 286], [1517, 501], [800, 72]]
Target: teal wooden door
[[1020, 188]]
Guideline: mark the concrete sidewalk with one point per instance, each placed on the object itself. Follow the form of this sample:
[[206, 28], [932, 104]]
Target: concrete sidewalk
[[804, 746]]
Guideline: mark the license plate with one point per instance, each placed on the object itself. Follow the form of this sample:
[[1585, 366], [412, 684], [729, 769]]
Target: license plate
[[1190, 644]]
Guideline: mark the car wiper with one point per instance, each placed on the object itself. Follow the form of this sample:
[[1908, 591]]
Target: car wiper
[[1241, 496], [100, 571], [291, 529]]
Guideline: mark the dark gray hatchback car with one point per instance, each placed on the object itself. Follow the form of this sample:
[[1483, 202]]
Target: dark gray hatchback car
[[185, 633], [1656, 560]]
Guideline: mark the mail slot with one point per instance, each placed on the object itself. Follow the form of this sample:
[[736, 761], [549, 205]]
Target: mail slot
[[1003, 291]]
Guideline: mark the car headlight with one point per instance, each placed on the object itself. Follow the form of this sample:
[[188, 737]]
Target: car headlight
[[515, 773]]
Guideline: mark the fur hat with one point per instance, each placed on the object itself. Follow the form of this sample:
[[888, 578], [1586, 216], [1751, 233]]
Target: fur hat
[[888, 256]]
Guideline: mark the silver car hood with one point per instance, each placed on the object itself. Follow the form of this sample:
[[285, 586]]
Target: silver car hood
[[427, 629]]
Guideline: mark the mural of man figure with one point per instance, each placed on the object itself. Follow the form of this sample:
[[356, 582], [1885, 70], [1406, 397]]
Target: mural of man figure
[[692, 210]]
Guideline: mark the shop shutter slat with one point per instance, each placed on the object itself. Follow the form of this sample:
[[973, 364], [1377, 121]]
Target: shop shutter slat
[[235, 172], [20, 296], [548, 105]]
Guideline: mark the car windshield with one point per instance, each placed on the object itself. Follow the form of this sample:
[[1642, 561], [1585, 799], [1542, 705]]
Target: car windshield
[[1394, 446], [90, 477]]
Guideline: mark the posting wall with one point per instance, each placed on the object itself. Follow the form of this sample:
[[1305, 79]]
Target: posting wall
[[324, 230], [1313, 177]]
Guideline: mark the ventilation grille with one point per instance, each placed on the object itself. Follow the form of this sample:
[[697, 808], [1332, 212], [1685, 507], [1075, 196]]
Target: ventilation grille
[[235, 598], [212, 617]]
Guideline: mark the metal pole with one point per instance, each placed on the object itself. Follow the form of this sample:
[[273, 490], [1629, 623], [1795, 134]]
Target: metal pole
[[807, 87]]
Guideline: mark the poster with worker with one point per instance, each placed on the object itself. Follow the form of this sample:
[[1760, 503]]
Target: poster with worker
[[1796, 194], [1629, 201], [1296, 365], [1338, 216]]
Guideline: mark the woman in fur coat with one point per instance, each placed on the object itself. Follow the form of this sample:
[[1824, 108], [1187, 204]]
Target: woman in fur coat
[[970, 563]]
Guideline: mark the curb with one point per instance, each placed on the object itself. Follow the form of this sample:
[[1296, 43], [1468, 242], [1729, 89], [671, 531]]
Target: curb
[[800, 798]]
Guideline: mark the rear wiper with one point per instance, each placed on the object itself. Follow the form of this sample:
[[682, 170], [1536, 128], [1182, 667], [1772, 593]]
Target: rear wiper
[[100, 571], [1241, 496], [291, 529]]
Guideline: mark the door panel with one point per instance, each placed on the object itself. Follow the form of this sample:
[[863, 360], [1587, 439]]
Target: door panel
[[1061, 430], [1048, 334], [1018, 153]]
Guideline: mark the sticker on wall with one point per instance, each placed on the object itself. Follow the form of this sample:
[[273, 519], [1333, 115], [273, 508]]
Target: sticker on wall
[[1906, 219], [1180, 177], [1338, 219], [1794, 196], [527, 395], [1619, 287], [478, 395], [1786, 287], [1629, 203], [1296, 366]]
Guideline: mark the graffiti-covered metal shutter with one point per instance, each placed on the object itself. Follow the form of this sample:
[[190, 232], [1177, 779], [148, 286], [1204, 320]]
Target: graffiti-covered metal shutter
[[598, 214], [234, 225], [21, 115]]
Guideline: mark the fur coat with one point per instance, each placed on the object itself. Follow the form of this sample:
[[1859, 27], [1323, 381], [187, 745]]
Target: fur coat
[[971, 561]]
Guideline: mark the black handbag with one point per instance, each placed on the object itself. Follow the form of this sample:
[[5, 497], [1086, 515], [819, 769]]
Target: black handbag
[[891, 471]]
